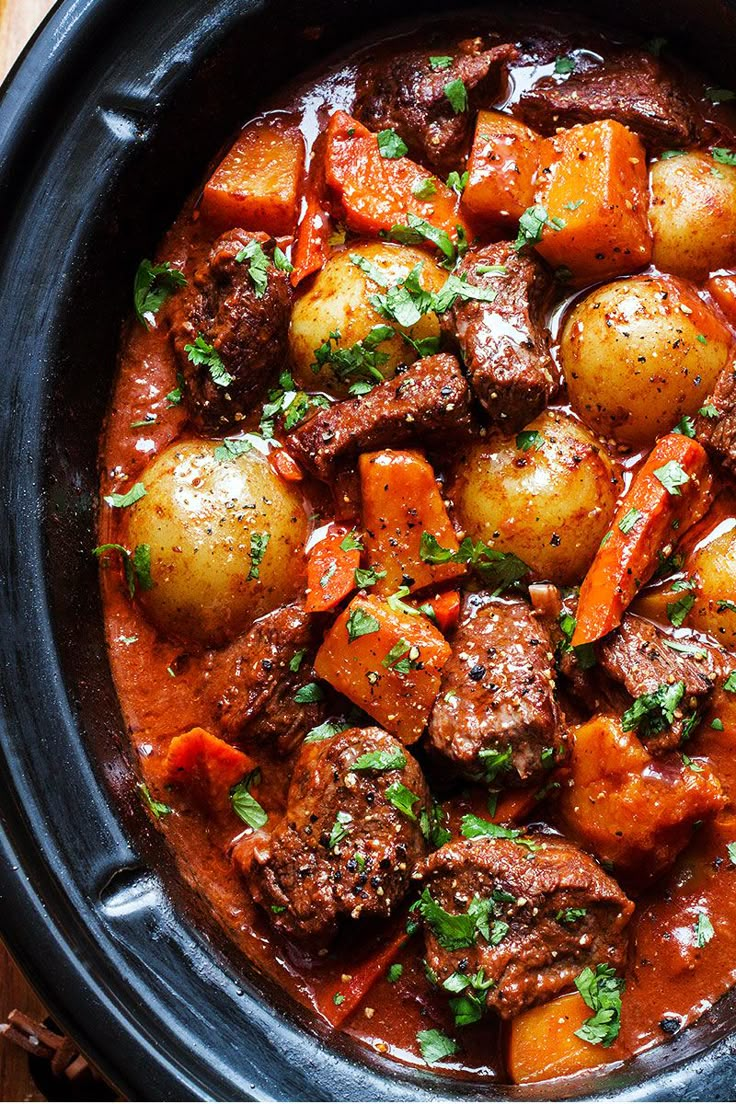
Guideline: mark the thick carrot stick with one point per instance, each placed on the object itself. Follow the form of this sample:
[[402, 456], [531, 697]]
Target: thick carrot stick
[[354, 992], [331, 570]]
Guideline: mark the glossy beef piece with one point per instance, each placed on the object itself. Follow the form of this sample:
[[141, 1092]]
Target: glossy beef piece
[[405, 94], [630, 87], [718, 434], [253, 685], [248, 333], [539, 955], [496, 704], [343, 851], [636, 655], [505, 344], [429, 400]]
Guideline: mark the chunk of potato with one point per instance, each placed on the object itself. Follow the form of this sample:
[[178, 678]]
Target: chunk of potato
[[713, 567], [550, 503], [338, 302], [206, 522], [693, 214], [639, 353]]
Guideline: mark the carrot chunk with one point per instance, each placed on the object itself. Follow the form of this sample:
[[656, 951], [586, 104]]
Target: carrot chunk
[[542, 1042], [312, 245], [669, 493], [367, 975], [375, 192], [594, 189], [723, 290], [401, 501], [284, 464], [207, 766], [331, 569], [446, 609], [258, 183], [501, 168], [386, 662]]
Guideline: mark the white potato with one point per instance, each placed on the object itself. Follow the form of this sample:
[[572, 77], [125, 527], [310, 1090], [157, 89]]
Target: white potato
[[693, 215], [639, 353], [713, 568], [204, 520], [550, 504], [338, 302]]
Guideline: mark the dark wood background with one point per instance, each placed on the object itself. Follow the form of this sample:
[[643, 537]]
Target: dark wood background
[[18, 20]]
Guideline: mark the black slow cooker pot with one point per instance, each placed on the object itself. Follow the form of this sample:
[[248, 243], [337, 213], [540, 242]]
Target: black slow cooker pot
[[105, 124]]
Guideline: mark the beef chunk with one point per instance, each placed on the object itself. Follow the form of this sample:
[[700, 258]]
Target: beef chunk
[[343, 850], [253, 686], [629, 87], [505, 344], [431, 397], [407, 95], [637, 654], [718, 433], [526, 939], [247, 331], [496, 715]]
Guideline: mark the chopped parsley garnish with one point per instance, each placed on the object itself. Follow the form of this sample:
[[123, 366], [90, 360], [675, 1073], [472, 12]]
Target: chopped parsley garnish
[[601, 990], [474, 827], [457, 182], [457, 287], [258, 546], [719, 95], [360, 623], [395, 602], [704, 930], [672, 476], [668, 155], [418, 230], [230, 448], [457, 94], [257, 266], [403, 657], [499, 570], [529, 439], [361, 362], [571, 915], [716, 724], [136, 564], [584, 653], [394, 972], [709, 411], [390, 145], [574, 204], [424, 189], [730, 683], [281, 261], [724, 604], [367, 576], [152, 286], [381, 760], [564, 65], [531, 225], [340, 829], [453, 931], [629, 520], [431, 823], [439, 62], [308, 694], [731, 848], [402, 798], [158, 808], [494, 761], [338, 999], [654, 712], [297, 659], [204, 354], [135, 494], [245, 805], [325, 731], [351, 542], [678, 611], [434, 1045], [685, 426]]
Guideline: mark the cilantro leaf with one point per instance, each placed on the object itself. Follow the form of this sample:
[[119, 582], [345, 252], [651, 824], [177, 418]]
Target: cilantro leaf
[[136, 564], [257, 266], [418, 230], [245, 805], [394, 972], [439, 62], [135, 494], [340, 829], [685, 426], [629, 520], [601, 990], [202, 353], [281, 261], [380, 760], [258, 546], [457, 182], [391, 145], [528, 439], [672, 476], [402, 798], [531, 225], [158, 808], [360, 623], [564, 65], [434, 1045], [324, 731], [678, 611], [424, 189], [457, 94], [152, 286], [704, 930], [654, 712], [308, 694]]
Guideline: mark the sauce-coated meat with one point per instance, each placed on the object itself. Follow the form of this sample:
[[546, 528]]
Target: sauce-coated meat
[[716, 429], [343, 850], [432, 397], [505, 343], [246, 326], [410, 95], [630, 87], [544, 911], [496, 716]]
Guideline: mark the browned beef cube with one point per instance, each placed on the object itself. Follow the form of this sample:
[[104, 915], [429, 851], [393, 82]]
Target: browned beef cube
[[630, 87], [495, 717], [716, 429], [546, 910], [343, 850], [247, 329], [426, 402], [505, 344], [406, 94], [253, 682]]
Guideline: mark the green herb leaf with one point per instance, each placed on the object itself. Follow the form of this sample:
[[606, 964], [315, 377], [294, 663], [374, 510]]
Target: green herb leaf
[[571, 915], [529, 439], [685, 426], [402, 798], [297, 659], [709, 411], [381, 760], [152, 286], [457, 94], [418, 230], [531, 225], [564, 65], [257, 266], [440, 62], [704, 930], [672, 476], [730, 683], [629, 520], [258, 546], [719, 95], [360, 623], [390, 145], [457, 182], [340, 829], [135, 494], [245, 805], [434, 1045], [667, 155], [158, 808], [424, 189], [457, 287], [494, 761], [367, 576], [453, 931], [394, 972], [325, 731], [654, 712], [678, 611], [136, 566], [731, 848], [361, 362], [601, 990], [308, 694], [202, 353], [281, 261]]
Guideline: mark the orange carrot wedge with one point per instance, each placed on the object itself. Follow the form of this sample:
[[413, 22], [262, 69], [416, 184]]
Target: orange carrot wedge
[[362, 981], [331, 570], [207, 766], [446, 609], [376, 192], [312, 245], [723, 290], [669, 493]]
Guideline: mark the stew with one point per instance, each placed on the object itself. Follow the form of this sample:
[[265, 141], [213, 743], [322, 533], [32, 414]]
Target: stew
[[417, 540]]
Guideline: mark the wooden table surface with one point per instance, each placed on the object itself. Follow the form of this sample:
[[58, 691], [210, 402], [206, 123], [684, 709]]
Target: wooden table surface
[[18, 20]]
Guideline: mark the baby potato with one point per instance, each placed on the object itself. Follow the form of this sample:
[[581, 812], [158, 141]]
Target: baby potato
[[692, 214], [639, 353], [226, 540], [547, 495], [338, 302], [713, 568]]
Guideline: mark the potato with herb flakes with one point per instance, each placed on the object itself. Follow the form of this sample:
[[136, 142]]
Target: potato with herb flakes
[[226, 538], [338, 302], [693, 212], [546, 495], [712, 568], [638, 354]]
